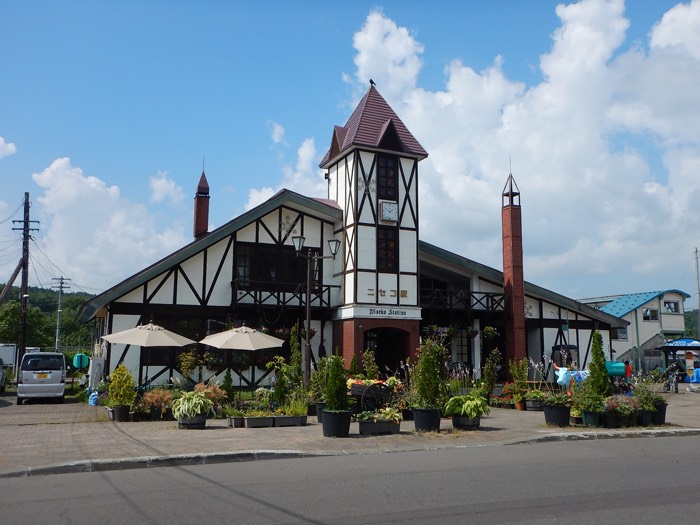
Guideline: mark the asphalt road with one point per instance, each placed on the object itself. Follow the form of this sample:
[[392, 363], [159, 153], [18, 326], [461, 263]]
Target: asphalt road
[[601, 481]]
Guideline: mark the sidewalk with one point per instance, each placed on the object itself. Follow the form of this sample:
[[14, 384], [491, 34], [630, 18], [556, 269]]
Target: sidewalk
[[39, 439]]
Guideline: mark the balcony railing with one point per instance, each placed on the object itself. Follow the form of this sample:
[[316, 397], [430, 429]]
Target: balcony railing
[[279, 293], [461, 300]]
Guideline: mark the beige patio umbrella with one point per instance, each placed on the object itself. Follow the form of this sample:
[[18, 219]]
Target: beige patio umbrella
[[148, 335], [242, 338]]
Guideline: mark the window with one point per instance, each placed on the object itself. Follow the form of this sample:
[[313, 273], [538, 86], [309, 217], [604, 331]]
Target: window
[[269, 266], [650, 314], [619, 334], [387, 177], [671, 307], [387, 249]]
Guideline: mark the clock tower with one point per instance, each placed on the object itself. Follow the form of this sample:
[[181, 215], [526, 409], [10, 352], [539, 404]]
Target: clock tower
[[372, 173]]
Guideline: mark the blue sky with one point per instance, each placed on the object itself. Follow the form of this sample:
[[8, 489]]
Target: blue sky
[[107, 110]]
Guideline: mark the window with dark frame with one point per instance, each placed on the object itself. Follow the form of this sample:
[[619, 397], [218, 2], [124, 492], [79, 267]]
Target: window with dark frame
[[387, 249], [650, 314], [269, 266], [387, 176], [671, 307]]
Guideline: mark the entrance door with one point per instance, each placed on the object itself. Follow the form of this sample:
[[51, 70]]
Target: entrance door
[[390, 345]]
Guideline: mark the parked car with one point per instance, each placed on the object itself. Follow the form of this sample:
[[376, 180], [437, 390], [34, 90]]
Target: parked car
[[41, 375]]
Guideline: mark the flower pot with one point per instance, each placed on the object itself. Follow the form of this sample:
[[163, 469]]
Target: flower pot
[[557, 415], [336, 423], [610, 420], [121, 412], [534, 404], [466, 423], [236, 421], [520, 405], [590, 419], [320, 405], [659, 417], [195, 422], [426, 419], [259, 422], [644, 418], [370, 428], [407, 414]]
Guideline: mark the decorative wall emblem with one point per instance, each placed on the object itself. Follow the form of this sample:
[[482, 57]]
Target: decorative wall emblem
[[287, 226]]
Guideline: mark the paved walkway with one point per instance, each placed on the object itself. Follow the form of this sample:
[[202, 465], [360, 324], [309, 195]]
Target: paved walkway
[[39, 439]]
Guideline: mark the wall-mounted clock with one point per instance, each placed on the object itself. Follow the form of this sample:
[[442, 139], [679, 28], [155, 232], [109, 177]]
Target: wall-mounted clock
[[390, 211]]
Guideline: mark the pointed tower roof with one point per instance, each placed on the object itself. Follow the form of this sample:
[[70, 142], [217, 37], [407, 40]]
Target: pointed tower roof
[[203, 186], [373, 124]]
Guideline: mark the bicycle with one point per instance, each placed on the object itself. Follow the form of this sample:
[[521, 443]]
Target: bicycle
[[672, 373]]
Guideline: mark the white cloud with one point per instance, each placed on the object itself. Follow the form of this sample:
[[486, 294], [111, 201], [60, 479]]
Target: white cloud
[[598, 213], [163, 187], [94, 235], [6, 148], [304, 177], [276, 132]]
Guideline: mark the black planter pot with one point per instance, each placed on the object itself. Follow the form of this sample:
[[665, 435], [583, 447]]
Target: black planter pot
[[195, 422], [320, 405], [426, 419], [121, 413], [466, 423], [557, 415], [659, 417], [336, 424], [534, 404]]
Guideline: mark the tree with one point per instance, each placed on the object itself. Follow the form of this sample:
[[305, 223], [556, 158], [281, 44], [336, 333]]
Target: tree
[[40, 330], [598, 374]]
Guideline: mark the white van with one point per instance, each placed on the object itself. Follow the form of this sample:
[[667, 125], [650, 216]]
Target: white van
[[41, 374]]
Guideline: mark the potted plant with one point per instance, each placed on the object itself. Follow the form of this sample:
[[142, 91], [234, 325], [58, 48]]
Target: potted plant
[[489, 372], [336, 413], [386, 420], [534, 399], [317, 388], [122, 392], [213, 392], [466, 411], [557, 409], [430, 383], [191, 409], [157, 402], [589, 403], [648, 404], [620, 411], [518, 370]]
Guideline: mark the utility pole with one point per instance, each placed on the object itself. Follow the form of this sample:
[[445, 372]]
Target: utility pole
[[22, 340], [61, 285], [697, 281]]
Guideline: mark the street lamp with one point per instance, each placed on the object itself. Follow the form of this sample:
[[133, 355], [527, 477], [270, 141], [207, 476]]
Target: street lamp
[[333, 246]]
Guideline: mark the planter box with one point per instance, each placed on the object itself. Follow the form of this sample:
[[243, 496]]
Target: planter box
[[235, 422], [290, 421], [259, 422], [371, 428]]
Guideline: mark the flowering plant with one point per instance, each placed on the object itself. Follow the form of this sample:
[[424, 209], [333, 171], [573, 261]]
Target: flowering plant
[[384, 414], [623, 405], [557, 399]]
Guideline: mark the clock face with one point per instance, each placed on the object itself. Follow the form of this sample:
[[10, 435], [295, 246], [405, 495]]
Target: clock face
[[390, 211]]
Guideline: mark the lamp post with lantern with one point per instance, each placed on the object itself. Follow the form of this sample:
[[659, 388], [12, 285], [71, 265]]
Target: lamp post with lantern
[[333, 246]]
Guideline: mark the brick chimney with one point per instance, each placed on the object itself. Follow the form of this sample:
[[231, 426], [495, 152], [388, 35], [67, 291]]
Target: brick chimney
[[513, 280], [201, 208]]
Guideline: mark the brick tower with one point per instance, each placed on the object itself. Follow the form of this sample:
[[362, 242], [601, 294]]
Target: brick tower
[[513, 280]]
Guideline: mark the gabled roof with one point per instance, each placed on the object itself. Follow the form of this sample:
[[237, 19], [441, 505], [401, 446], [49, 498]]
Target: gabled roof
[[323, 208], [373, 124], [623, 304], [496, 276]]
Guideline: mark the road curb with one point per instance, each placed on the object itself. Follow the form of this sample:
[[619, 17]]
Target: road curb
[[593, 435]]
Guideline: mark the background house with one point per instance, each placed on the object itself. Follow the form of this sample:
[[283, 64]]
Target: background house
[[653, 317]]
